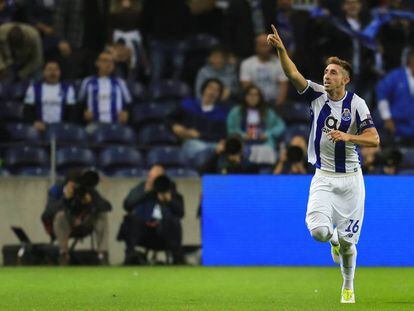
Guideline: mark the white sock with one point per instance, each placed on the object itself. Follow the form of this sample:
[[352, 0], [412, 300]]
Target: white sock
[[347, 258], [334, 239]]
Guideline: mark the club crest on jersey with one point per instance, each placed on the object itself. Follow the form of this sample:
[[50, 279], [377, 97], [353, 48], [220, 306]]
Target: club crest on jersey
[[346, 115]]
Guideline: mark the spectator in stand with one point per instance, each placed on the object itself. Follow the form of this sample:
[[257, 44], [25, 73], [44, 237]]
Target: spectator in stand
[[229, 159], [8, 9], [21, 53], [40, 14], [293, 160], [155, 209], [201, 123], [125, 30], [81, 26], [369, 157], [50, 101], [167, 24], [106, 96], [244, 21], [122, 56], [218, 67], [395, 95], [350, 48], [394, 36], [258, 125], [389, 161], [208, 16], [294, 29], [265, 71]]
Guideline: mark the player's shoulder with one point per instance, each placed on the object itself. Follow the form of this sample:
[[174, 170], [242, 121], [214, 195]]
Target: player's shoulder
[[315, 88], [358, 101]]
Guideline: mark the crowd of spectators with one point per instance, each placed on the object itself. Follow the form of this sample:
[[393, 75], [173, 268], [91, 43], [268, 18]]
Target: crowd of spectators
[[190, 73]]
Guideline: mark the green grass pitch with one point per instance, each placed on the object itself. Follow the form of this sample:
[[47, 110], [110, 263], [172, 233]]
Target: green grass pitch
[[201, 288]]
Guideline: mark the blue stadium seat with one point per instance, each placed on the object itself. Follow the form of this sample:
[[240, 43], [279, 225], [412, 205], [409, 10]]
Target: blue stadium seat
[[129, 172], [168, 156], [119, 160], [408, 157], [156, 134], [297, 129], [25, 159], [66, 133], [34, 171], [11, 111], [20, 132], [150, 112], [295, 112], [138, 91], [113, 134], [17, 90], [181, 172], [169, 89], [74, 157]]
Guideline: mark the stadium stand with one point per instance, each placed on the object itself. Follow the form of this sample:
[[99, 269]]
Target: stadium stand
[[121, 161], [154, 100], [169, 157], [24, 160], [68, 158]]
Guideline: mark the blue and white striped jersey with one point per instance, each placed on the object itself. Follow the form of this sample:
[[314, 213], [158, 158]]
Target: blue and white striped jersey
[[105, 97], [350, 115]]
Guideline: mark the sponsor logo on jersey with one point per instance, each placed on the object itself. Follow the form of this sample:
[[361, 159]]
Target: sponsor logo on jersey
[[331, 123], [346, 115]]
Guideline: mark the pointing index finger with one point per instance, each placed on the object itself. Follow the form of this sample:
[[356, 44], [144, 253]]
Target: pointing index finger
[[274, 29]]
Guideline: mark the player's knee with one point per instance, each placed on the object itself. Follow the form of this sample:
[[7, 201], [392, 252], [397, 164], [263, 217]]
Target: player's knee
[[321, 234], [346, 248]]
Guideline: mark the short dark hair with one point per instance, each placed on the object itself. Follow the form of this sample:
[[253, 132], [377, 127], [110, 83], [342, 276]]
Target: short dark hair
[[162, 184], [233, 145], [212, 80], [341, 63]]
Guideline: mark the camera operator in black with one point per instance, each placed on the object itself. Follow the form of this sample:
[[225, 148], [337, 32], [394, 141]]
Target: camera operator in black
[[293, 160], [76, 209], [229, 159], [156, 216]]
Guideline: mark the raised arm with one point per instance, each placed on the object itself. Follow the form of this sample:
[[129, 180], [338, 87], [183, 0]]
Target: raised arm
[[298, 81]]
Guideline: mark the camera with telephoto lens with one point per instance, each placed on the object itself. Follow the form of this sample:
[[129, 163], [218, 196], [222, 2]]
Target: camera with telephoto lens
[[85, 184]]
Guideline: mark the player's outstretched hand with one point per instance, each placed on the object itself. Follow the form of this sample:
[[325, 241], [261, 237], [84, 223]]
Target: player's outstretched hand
[[274, 39], [336, 136]]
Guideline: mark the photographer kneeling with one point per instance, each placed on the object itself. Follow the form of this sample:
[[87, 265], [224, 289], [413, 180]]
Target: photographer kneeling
[[155, 216], [76, 209]]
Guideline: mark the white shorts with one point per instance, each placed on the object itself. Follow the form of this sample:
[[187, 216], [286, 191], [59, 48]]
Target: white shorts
[[337, 200]]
